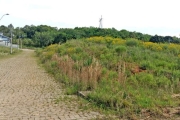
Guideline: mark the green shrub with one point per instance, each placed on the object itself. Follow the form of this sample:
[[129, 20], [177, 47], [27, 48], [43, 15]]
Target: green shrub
[[87, 62], [53, 64], [76, 57], [163, 81], [146, 79], [38, 52], [78, 50], [104, 71], [131, 43], [112, 75], [161, 63], [73, 89], [146, 64], [121, 49]]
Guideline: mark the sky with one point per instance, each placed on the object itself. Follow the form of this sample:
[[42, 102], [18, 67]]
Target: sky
[[161, 17]]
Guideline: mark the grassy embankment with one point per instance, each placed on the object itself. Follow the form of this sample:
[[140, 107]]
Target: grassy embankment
[[128, 76], [5, 52]]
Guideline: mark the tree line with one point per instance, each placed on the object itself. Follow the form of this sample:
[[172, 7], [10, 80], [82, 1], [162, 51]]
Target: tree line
[[43, 35]]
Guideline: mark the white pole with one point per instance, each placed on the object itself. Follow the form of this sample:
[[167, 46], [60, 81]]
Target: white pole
[[19, 39], [11, 41]]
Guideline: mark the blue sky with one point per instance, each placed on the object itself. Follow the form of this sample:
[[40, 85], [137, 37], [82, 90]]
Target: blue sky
[[147, 16]]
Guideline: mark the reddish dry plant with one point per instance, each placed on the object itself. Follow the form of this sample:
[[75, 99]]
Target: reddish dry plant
[[88, 76], [121, 72]]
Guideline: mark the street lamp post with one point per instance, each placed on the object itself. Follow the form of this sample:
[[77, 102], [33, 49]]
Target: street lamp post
[[0, 19], [4, 15]]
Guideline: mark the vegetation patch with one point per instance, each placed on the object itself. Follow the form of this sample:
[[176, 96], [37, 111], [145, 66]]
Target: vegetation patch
[[133, 78], [5, 52]]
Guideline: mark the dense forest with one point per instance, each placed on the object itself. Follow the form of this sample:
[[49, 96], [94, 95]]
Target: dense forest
[[43, 35]]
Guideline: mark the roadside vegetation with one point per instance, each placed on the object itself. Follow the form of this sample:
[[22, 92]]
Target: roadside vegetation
[[132, 77], [5, 52]]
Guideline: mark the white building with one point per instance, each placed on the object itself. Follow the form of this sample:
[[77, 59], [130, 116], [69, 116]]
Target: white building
[[4, 38]]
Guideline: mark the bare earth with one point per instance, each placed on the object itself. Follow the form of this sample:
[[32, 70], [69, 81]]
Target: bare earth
[[27, 92]]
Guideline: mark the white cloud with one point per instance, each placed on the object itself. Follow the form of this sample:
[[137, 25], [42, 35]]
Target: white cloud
[[151, 16]]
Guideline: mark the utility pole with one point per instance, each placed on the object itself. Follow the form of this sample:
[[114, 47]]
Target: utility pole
[[21, 43], [18, 39], [11, 30], [11, 41], [18, 43]]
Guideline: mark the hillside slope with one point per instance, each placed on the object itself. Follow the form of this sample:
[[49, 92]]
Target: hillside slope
[[131, 77]]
